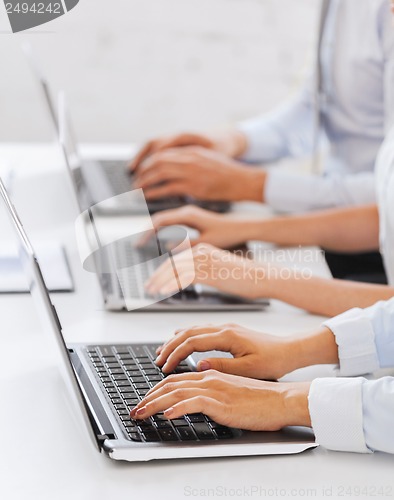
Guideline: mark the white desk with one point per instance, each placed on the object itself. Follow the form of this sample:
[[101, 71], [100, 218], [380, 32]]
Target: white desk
[[45, 453]]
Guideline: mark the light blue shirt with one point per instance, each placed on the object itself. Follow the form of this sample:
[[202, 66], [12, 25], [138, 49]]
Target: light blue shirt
[[356, 414], [357, 58]]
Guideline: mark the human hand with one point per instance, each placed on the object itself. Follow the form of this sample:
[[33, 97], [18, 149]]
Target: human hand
[[215, 229], [202, 173], [208, 265], [230, 400], [231, 144], [255, 354]]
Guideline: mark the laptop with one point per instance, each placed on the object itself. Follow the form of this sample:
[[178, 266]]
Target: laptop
[[106, 178], [127, 265], [105, 381]]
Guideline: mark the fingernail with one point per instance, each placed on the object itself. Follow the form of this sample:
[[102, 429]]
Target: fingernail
[[141, 411], [203, 366], [169, 412], [158, 350]]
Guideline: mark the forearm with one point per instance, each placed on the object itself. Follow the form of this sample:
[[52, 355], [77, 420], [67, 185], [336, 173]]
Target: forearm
[[322, 296], [343, 230]]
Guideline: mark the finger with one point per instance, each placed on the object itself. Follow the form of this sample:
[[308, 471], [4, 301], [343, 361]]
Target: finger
[[181, 337], [147, 149], [232, 366], [160, 403], [176, 378], [210, 406], [164, 172], [176, 406], [172, 188], [201, 343], [167, 388], [160, 277], [172, 271], [180, 330], [169, 157]]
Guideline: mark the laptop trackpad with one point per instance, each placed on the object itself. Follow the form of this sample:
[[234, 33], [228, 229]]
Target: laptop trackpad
[[194, 358]]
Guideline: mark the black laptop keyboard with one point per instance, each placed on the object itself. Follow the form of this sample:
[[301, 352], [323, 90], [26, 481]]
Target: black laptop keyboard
[[127, 373], [120, 178]]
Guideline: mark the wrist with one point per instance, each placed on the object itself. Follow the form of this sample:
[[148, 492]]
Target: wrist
[[252, 184], [318, 348], [232, 143], [295, 402]]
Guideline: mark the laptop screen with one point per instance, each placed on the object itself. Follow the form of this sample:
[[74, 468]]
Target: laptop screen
[[14, 237]]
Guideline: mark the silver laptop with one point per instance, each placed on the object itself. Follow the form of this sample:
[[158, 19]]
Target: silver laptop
[[106, 178], [107, 380], [125, 290]]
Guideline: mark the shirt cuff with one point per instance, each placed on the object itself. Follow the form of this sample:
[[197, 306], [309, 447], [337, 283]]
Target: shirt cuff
[[355, 338], [336, 410], [265, 144]]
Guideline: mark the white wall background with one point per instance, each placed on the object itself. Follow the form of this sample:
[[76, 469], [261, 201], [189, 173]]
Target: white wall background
[[136, 68]]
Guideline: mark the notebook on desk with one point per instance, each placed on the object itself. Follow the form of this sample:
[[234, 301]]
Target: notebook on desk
[[55, 268], [107, 380]]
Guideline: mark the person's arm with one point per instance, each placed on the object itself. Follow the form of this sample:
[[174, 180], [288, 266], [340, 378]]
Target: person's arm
[[238, 276], [294, 192], [346, 414], [287, 131], [359, 340], [356, 414], [343, 230], [323, 296]]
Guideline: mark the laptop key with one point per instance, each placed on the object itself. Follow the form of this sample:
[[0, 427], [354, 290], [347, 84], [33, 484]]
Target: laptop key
[[153, 372], [203, 431], [168, 435], [126, 390], [116, 400], [123, 383], [151, 436], [186, 433], [123, 412], [130, 366], [141, 385], [196, 417], [111, 390], [115, 371], [223, 433], [179, 422], [106, 351], [135, 436], [152, 350], [130, 426], [162, 424], [137, 380], [113, 364], [155, 378], [159, 416], [109, 359], [121, 349]]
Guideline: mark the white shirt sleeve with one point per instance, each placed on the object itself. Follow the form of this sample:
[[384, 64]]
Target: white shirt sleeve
[[285, 132], [293, 192], [356, 414]]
